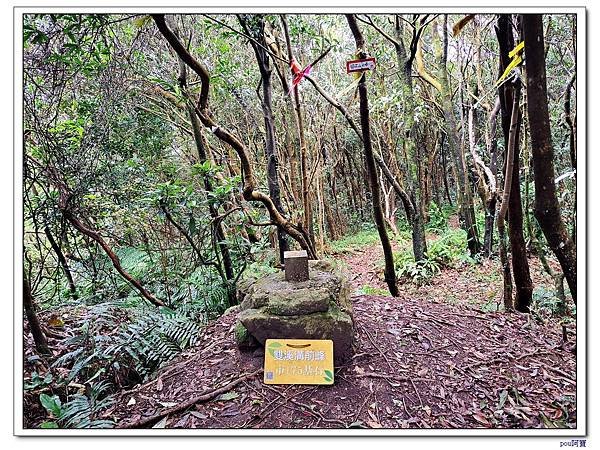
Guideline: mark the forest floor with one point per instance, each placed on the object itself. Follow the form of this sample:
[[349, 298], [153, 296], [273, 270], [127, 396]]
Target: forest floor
[[438, 356]]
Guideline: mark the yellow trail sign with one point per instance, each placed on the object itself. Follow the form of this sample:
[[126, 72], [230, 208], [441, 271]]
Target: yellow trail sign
[[298, 361]]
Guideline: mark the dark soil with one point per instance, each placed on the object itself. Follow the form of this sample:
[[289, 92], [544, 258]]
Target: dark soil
[[430, 358]]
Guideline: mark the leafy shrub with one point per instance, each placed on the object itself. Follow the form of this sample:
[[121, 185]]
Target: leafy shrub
[[37, 381], [545, 303], [143, 341], [448, 249], [258, 269], [402, 258], [403, 227], [355, 241], [369, 236], [81, 411], [438, 220], [116, 346], [480, 220], [369, 290], [205, 292], [404, 232], [419, 272]]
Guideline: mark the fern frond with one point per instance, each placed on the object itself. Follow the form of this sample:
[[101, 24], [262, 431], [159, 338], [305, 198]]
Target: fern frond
[[80, 412]]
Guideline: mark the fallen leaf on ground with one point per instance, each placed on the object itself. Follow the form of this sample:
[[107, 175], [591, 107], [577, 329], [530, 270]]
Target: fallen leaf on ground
[[167, 404], [227, 396], [481, 419], [161, 423]]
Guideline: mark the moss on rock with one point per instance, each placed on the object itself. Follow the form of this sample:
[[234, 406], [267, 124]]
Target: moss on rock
[[243, 338], [319, 308]]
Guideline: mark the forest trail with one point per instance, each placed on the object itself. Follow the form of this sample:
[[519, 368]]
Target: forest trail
[[170, 159], [419, 362]]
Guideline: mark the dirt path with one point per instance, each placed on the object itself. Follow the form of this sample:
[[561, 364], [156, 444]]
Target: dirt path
[[419, 362]]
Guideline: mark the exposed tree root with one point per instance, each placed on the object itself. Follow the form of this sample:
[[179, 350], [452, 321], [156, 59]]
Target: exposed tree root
[[191, 402]]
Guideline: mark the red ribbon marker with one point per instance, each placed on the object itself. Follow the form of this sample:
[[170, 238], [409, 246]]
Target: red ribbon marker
[[299, 74]]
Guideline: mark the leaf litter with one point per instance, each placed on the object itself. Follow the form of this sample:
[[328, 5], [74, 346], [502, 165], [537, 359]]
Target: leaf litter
[[419, 362]]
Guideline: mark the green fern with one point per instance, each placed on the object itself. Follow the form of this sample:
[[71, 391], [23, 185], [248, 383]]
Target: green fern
[[134, 260], [449, 248], [153, 339], [209, 296], [128, 345], [82, 411], [420, 272]]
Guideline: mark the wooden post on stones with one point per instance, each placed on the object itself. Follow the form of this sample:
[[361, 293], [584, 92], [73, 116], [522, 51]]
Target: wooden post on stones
[[296, 265]]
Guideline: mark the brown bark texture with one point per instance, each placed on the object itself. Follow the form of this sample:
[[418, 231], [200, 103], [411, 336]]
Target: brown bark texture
[[547, 209], [389, 272], [41, 343]]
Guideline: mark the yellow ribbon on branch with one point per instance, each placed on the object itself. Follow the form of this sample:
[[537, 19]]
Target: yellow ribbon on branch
[[357, 76], [516, 61]]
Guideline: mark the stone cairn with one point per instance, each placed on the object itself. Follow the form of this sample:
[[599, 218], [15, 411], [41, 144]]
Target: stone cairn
[[309, 300]]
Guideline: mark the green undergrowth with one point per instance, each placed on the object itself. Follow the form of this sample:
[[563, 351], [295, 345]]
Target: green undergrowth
[[438, 217], [112, 345], [355, 241], [369, 290], [545, 304], [449, 250], [116, 340], [366, 238]]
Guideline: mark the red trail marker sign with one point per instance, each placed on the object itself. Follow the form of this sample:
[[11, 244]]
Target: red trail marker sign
[[360, 65]]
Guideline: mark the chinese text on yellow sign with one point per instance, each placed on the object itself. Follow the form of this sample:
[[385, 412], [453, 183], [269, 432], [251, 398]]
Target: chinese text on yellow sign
[[298, 361]]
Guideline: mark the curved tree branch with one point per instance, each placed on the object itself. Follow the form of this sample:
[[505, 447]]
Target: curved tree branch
[[250, 192], [78, 224]]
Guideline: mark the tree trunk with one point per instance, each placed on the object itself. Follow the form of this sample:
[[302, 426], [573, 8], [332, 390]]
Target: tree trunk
[[41, 343], [491, 202], [290, 149], [510, 153], [250, 191], [415, 219], [416, 194], [520, 265], [389, 273], [510, 95], [300, 125], [547, 210], [265, 69], [463, 188], [62, 261], [572, 124], [65, 209], [445, 170], [214, 213], [416, 200]]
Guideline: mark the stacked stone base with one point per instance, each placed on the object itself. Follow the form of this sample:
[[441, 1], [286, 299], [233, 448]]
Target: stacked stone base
[[319, 308]]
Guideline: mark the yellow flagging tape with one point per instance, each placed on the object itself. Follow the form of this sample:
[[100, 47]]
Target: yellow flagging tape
[[351, 86], [518, 49], [517, 59]]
